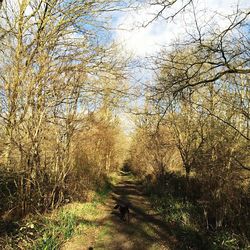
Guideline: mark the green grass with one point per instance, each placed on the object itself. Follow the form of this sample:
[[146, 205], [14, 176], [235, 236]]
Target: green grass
[[71, 220], [51, 231], [55, 231], [174, 209], [179, 215], [102, 193], [187, 225], [226, 240], [104, 233]]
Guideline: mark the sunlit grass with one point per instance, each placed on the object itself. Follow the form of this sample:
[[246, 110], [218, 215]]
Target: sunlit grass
[[71, 220], [56, 230]]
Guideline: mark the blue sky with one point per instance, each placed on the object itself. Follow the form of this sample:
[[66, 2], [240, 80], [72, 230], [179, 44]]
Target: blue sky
[[140, 42], [147, 41]]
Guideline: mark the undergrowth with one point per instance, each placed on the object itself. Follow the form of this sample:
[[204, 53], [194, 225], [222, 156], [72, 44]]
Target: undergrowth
[[51, 231], [56, 231], [187, 224]]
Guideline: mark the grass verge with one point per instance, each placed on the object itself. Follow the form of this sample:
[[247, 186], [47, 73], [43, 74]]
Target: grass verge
[[186, 224], [52, 231]]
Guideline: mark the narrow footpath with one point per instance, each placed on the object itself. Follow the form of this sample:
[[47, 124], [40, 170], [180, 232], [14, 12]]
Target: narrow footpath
[[145, 230]]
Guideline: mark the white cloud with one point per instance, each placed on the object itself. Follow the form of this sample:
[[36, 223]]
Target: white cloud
[[145, 41]]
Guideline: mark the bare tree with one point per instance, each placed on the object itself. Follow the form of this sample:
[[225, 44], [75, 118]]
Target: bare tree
[[51, 70]]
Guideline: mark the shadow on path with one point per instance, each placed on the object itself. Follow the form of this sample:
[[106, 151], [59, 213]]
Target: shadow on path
[[146, 230]]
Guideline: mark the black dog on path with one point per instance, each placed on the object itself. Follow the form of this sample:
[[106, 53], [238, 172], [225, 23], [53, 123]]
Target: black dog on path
[[123, 211]]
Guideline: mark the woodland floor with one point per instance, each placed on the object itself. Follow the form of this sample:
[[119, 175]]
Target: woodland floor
[[105, 230]]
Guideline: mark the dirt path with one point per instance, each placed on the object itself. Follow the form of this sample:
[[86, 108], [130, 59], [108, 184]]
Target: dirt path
[[145, 230]]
